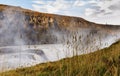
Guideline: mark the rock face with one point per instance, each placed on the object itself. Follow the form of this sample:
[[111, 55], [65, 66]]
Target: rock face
[[20, 26]]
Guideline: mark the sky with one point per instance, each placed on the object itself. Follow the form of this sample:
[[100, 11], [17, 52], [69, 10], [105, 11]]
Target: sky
[[99, 11]]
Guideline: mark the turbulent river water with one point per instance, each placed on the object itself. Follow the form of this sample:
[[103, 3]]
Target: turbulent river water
[[12, 32], [12, 57]]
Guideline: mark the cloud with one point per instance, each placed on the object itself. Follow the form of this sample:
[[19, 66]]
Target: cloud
[[103, 7], [82, 8], [36, 7], [94, 8], [39, 2], [89, 11], [115, 6], [79, 3], [51, 6]]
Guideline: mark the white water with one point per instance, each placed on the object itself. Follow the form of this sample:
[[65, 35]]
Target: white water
[[12, 57], [28, 55]]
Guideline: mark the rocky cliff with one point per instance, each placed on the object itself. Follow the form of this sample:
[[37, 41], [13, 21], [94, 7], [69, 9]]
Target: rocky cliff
[[23, 26]]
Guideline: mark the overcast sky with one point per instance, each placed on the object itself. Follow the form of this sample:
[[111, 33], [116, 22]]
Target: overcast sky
[[100, 11]]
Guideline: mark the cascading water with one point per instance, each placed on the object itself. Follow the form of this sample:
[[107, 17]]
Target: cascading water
[[15, 51]]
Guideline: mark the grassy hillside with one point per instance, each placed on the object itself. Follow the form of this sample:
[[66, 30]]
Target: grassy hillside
[[105, 62]]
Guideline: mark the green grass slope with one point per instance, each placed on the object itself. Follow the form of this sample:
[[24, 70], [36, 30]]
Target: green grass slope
[[105, 62]]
